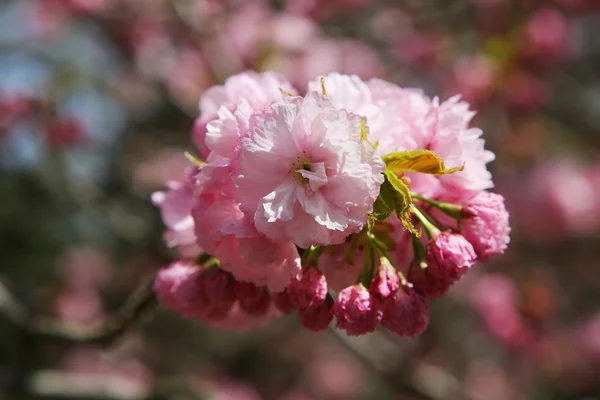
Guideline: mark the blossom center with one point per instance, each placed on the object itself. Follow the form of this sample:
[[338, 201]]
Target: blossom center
[[306, 172]]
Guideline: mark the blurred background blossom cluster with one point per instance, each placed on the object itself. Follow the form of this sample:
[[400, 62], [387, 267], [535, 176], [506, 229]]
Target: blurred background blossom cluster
[[97, 102]]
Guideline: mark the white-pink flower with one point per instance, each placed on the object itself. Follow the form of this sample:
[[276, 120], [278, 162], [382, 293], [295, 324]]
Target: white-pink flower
[[306, 173], [394, 114], [175, 207], [225, 232], [405, 119], [448, 134], [225, 110]]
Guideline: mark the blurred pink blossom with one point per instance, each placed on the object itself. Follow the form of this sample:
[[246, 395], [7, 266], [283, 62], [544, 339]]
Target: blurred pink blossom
[[473, 79], [544, 37], [495, 298]]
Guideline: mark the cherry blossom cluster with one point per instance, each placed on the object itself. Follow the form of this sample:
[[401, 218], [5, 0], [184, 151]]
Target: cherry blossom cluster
[[336, 203]]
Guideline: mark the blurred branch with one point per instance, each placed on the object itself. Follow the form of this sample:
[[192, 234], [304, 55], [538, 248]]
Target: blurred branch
[[64, 385], [393, 380], [137, 305]]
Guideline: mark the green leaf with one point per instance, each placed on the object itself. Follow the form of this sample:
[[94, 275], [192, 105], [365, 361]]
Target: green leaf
[[424, 161], [383, 207], [402, 200], [385, 240]]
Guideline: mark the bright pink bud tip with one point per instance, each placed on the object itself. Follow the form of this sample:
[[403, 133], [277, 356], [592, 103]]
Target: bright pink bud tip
[[282, 302], [169, 278], [449, 257], [406, 312], [217, 286], [309, 290], [195, 292], [254, 301], [357, 311], [317, 318], [487, 228], [386, 280]]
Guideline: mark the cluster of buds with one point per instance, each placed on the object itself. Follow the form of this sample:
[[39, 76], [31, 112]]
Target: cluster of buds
[[318, 203]]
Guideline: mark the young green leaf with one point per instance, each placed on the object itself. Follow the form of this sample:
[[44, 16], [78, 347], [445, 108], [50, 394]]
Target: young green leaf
[[402, 200], [425, 161]]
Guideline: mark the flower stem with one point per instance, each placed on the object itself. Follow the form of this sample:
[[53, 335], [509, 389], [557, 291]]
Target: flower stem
[[453, 210], [383, 256], [311, 255], [419, 251], [431, 230]]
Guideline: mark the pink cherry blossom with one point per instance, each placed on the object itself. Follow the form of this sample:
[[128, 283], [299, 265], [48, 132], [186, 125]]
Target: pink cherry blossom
[[486, 227], [447, 133], [284, 171], [229, 107], [225, 232], [313, 179], [175, 209], [405, 119]]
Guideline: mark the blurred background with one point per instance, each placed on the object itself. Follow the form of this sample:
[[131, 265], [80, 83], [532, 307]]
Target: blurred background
[[97, 102]]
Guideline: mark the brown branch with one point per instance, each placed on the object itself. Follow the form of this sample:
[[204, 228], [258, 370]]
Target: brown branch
[[392, 380], [136, 307]]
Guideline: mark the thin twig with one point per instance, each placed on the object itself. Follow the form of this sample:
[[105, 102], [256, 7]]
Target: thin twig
[[394, 381], [137, 305]]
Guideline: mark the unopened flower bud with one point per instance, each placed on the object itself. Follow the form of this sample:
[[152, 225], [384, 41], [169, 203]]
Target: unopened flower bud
[[357, 311], [318, 317], [310, 289], [449, 257], [406, 313], [253, 300], [487, 227], [195, 292], [282, 302], [386, 280], [167, 280]]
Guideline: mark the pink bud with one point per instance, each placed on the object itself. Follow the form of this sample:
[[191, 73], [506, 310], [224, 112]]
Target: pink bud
[[63, 133], [357, 311], [282, 302], [487, 230], [386, 280], [449, 257], [318, 317], [254, 301], [194, 292], [169, 278], [217, 285], [406, 312], [309, 290]]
